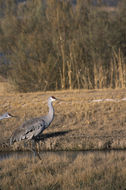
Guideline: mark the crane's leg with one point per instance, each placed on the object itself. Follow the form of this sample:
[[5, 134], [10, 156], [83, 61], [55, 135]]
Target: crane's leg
[[35, 149]]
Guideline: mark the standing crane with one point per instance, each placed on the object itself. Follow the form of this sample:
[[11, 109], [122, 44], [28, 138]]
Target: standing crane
[[32, 128], [6, 115]]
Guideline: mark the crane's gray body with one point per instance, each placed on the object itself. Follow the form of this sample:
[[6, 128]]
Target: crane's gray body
[[32, 128]]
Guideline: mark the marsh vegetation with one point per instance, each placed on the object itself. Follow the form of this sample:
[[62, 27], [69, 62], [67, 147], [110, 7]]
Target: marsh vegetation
[[104, 171]]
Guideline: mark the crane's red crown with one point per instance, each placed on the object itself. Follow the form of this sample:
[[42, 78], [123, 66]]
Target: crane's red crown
[[53, 97]]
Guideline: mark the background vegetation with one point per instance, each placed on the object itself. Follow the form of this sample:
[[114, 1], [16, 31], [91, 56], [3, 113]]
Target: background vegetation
[[53, 44]]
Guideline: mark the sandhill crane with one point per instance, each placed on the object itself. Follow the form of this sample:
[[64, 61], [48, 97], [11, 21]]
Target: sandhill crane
[[32, 128], [6, 115]]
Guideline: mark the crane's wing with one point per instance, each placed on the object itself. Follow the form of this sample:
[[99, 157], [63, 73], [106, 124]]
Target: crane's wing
[[28, 130]]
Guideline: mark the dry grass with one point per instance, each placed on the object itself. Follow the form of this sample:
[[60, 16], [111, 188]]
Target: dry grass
[[79, 124], [87, 172]]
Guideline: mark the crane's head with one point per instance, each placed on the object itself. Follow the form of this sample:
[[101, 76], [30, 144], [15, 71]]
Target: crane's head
[[52, 98], [7, 115]]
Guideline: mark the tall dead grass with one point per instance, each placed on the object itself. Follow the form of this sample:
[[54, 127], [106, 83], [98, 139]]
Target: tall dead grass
[[112, 77], [118, 70]]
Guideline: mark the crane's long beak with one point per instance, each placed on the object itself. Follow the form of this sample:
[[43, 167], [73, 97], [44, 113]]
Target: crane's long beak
[[14, 116], [59, 100]]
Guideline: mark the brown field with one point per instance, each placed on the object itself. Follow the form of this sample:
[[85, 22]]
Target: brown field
[[79, 123]]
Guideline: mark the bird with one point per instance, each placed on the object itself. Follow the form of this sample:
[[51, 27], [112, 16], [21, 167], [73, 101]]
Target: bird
[[6, 115], [30, 129]]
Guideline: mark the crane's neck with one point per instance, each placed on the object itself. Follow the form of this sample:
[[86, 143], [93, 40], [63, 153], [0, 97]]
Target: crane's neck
[[50, 115], [2, 117]]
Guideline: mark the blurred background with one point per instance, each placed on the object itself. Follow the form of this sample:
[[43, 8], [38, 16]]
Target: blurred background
[[63, 44]]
